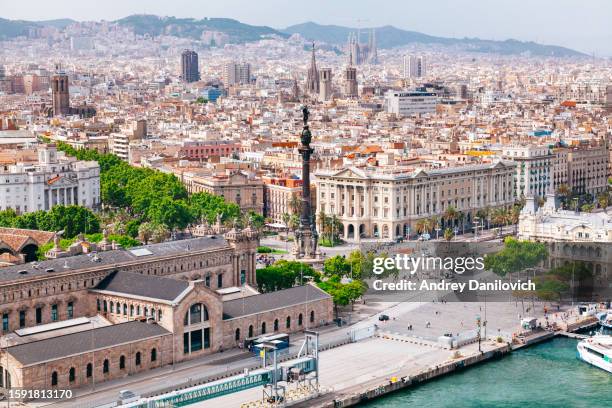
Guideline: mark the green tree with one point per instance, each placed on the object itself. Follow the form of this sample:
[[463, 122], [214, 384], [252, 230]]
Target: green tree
[[172, 213], [516, 256]]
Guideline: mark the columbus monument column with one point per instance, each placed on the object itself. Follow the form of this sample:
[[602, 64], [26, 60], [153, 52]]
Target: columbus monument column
[[306, 237]]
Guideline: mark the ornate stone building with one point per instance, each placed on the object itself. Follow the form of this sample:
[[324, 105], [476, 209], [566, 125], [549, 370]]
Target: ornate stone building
[[75, 320], [388, 203]]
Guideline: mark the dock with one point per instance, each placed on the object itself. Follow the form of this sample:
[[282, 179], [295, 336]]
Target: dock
[[573, 335]]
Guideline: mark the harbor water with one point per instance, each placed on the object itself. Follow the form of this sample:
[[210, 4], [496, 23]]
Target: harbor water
[[544, 375]]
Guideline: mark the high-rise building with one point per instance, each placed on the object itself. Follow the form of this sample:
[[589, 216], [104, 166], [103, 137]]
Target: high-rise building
[[236, 73], [410, 103], [189, 66], [312, 78], [325, 84], [415, 66], [60, 93]]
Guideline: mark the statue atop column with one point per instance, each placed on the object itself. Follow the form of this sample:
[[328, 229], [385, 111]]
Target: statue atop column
[[306, 237]]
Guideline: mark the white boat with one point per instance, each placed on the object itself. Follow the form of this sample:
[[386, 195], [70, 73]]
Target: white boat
[[597, 351]]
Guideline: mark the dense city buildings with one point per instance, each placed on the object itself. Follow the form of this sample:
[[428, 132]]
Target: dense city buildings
[[226, 165]]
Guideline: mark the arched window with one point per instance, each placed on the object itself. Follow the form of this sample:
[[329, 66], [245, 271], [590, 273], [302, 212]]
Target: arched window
[[72, 374], [138, 358], [89, 370], [300, 318], [105, 306], [105, 366], [98, 304], [138, 310], [288, 322], [124, 309], [131, 310], [153, 355], [312, 316], [251, 331], [237, 335], [54, 378], [146, 311], [275, 325], [197, 313], [159, 314], [122, 362], [112, 307], [263, 328], [153, 313]]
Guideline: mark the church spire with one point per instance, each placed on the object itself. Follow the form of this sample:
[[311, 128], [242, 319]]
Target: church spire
[[312, 79]]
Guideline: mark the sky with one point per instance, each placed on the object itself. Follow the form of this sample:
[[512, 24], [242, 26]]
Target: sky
[[585, 25]]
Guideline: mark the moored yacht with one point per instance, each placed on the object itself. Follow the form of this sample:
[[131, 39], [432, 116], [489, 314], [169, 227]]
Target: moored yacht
[[597, 351]]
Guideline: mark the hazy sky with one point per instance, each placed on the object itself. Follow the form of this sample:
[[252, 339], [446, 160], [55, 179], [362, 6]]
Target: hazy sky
[[585, 25]]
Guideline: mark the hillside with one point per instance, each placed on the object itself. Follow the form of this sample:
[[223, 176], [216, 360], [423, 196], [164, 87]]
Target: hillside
[[192, 28], [389, 37]]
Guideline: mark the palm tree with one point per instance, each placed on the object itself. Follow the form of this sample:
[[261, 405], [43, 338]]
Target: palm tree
[[423, 225], [603, 199], [450, 215], [448, 234], [295, 204], [145, 232], [323, 222], [294, 222], [514, 215], [564, 190], [500, 217], [286, 217], [483, 214], [587, 208]]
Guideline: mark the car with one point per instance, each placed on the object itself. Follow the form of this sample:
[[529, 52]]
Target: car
[[383, 317], [127, 396]]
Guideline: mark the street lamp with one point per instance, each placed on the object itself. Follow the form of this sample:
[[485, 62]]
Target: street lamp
[[437, 231], [478, 332]]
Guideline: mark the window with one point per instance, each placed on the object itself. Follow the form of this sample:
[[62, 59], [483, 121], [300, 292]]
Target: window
[[98, 305], [5, 322], [300, 318], [89, 370], [54, 313], [288, 322], [207, 281], [220, 280], [38, 315], [71, 374], [112, 307], [312, 316], [237, 335], [105, 306], [153, 355], [159, 314], [275, 325], [105, 366], [251, 331], [122, 362], [22, 318], [197, 313], [124, 309], [138, 358], [54, 378], [263, 328], [70, 310]]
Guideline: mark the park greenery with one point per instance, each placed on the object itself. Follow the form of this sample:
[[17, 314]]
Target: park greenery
[[72, 220], [284, 274], [516, 256], [557, 281]]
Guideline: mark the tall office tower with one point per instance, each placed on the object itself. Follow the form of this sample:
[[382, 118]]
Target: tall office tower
[[350, 80], [60, 93], [325, 91], [189, 66], [312, 78], [234, 73], [414, 66]]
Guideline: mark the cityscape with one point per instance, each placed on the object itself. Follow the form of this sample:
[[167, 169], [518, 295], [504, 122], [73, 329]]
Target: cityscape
[[249, 211]]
